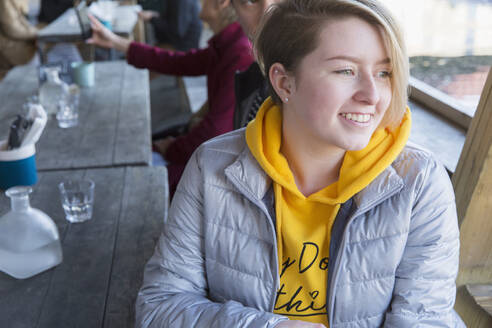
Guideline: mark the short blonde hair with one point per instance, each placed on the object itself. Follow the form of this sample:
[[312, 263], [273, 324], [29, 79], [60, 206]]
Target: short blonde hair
[[291, 29]]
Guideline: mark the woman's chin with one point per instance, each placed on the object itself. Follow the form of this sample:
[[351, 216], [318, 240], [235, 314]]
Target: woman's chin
[[357, 145]]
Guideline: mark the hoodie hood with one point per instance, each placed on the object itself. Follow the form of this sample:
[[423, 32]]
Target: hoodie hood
[[359, 168]]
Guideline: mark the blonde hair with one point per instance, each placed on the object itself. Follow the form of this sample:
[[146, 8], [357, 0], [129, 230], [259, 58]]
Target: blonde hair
[[291, 29]]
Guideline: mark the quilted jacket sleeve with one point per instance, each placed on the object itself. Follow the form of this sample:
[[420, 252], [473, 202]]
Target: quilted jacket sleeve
[[425, 290], [174, 290]]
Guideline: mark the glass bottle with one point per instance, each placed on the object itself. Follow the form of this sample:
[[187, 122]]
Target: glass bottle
[[29, 239], [52, 91]]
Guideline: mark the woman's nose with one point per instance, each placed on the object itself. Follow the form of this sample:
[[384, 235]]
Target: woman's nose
[[367, 91]]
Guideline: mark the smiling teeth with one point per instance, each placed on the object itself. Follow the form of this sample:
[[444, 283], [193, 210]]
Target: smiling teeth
[[361, 118]]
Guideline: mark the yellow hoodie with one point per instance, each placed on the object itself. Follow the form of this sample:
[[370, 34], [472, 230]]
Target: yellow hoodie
[[304, 223]]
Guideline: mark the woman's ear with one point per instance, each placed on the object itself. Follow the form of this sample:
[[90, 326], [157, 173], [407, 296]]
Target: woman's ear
[[282, 81]]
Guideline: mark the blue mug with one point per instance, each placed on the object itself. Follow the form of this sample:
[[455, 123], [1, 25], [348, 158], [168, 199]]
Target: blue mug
[[17, 166]]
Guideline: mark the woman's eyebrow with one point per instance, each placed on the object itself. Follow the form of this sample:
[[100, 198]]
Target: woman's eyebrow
[[386, 60]]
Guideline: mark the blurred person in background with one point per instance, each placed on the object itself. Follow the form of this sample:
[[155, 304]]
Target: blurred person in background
[[52, 9], [229, 50], [177, 25], [251, 87], [17, 35]]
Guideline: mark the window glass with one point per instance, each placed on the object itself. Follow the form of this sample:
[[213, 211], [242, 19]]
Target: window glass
[[449, 44]]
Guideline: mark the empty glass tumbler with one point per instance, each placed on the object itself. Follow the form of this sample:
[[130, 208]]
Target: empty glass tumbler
[[77, 197], [67, 115], [68, 108]]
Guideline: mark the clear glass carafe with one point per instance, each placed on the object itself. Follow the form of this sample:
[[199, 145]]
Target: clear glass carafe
[[29, 239], [52, 91]]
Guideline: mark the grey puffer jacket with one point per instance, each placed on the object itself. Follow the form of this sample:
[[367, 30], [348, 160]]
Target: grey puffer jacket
[[394, 247]]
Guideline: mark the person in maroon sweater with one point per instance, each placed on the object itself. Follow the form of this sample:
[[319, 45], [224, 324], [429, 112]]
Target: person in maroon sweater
[[228, 51]]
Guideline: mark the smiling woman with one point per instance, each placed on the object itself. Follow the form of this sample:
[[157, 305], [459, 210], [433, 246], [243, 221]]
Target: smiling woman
[[317, 213], [336, 124], [337, 81]]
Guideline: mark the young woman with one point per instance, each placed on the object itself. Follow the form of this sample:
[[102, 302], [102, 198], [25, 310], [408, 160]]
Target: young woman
[[229, 50], [317, 214]]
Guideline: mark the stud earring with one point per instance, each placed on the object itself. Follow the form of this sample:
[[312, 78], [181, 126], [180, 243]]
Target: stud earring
[[286, 99]]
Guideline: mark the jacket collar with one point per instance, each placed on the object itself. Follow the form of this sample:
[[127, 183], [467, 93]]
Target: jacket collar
[[382, 187], [247, 175]]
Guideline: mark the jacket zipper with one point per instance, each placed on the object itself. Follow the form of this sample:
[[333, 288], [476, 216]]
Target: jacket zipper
[[262, 207], [339, 255]]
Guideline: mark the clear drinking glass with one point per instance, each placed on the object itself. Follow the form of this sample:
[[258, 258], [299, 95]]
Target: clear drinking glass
[[77, 197], [67, 115]]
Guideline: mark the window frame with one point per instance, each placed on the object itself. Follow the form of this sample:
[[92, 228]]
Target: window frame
[[440, 103]]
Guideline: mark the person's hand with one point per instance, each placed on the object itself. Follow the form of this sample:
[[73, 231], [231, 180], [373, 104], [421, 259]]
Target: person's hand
[[103, 37], [147, 15], [163, 144], [299, 324]]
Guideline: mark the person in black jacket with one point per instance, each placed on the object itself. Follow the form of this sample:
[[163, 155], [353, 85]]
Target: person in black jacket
[[52, 9], [178, 24]]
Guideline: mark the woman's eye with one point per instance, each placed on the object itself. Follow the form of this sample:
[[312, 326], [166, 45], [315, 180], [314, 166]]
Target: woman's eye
[[346, 71], [384, 74]]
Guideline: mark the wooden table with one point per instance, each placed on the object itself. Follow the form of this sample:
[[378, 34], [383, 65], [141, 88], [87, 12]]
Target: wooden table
[[103, 259], [66, 28], [114, 119]]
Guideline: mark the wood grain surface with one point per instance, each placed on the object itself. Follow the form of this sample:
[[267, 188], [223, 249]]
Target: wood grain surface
[[103, 259]]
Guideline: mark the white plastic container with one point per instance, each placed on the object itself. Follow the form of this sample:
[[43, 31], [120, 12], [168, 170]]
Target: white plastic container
[[29, 239]]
